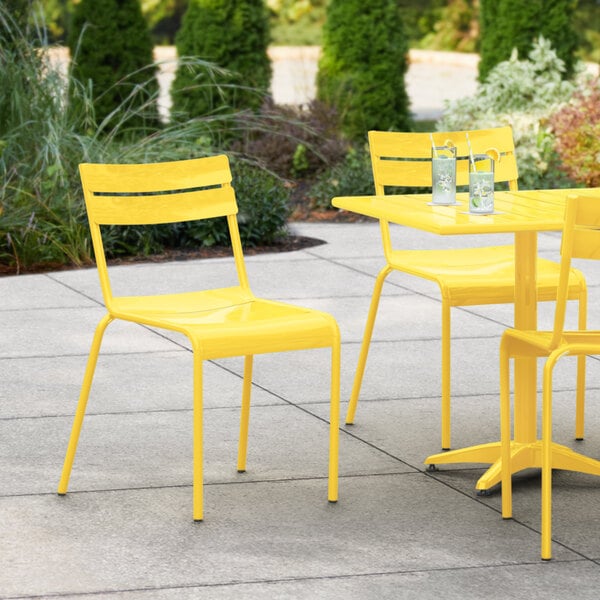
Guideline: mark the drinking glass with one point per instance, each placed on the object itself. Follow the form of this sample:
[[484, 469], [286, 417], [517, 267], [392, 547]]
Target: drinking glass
[[481, 184], [443, 175]]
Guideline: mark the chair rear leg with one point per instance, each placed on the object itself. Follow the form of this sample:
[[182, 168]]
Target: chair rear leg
[[81, 404], [580, 397], [334, 424], [245, 414], [366, 342], [197, 477], [446, 360]]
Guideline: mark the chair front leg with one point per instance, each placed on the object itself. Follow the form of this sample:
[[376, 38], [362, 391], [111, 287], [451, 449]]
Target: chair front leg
[[366, 342], [82, 404], [547, 456], [197, 468], [334, 423], [245, 414]]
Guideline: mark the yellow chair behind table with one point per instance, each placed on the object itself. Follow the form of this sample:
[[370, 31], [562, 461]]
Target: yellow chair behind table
[[223, 322], [581, 239], [467, 276]]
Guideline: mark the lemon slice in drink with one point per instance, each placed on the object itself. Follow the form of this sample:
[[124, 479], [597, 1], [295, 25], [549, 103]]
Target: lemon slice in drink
[[449, 144], [494, 154]]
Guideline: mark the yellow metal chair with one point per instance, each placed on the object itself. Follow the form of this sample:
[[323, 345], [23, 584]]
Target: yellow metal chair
[[223, 322], [468, 276], [581, 239]]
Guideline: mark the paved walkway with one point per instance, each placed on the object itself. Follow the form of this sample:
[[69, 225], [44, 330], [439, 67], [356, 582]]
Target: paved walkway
[[125, 530]]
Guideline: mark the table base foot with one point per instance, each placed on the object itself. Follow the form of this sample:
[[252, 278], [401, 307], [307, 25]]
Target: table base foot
[[523, 456]]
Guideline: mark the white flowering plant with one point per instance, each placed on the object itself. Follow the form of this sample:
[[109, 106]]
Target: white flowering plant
[[522, 94]]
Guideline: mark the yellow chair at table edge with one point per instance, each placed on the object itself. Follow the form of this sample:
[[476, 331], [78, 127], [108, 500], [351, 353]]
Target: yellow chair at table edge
[[581, 239], [219, 323], [494, 280]]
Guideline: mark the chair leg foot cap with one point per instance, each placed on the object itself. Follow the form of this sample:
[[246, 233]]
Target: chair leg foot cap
[[61, 493], [332, 501], [577, 440], [241, 470]]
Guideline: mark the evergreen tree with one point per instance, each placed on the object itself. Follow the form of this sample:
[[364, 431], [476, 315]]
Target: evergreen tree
[[111, 47], [234, 35], [363, 65], [510, 24]]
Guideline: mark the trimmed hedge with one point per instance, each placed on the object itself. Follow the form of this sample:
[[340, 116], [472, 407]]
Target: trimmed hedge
[[112, 48], [234, 35], [509, 24], [363, 65]]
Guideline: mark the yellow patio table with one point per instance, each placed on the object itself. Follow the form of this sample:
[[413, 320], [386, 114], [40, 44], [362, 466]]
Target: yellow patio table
[[524, 213]]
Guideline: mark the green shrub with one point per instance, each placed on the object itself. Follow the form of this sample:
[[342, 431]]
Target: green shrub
[[295, 142], [263, 202], [350, 177], [520, 93], [576, 127], [510, 24], [362, 68], [234, 35], [112, 50]]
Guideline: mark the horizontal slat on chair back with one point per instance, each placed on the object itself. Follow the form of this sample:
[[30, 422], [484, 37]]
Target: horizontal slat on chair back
[[166, 192], [586, 241], [414, 150]]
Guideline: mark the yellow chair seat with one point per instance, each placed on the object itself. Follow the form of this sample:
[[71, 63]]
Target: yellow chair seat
[[540, 343], [474, 276], [227, 322]]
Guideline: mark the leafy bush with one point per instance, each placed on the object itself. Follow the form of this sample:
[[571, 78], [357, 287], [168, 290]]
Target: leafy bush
[[295, 142], [520, 93], [362, 68], [234, 35], [577, 129], [350, 177], [263, 204], [510, 24], [111, 48]]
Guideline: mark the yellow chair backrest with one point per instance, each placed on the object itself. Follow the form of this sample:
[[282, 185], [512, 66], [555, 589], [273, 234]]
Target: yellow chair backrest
[[168, 192], [404, 159], [581, 239]]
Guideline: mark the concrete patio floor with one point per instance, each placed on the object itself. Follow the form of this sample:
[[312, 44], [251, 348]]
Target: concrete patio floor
[[125, 530]]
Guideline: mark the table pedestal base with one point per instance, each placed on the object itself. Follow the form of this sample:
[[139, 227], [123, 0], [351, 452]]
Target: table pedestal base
[[523, 456]]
